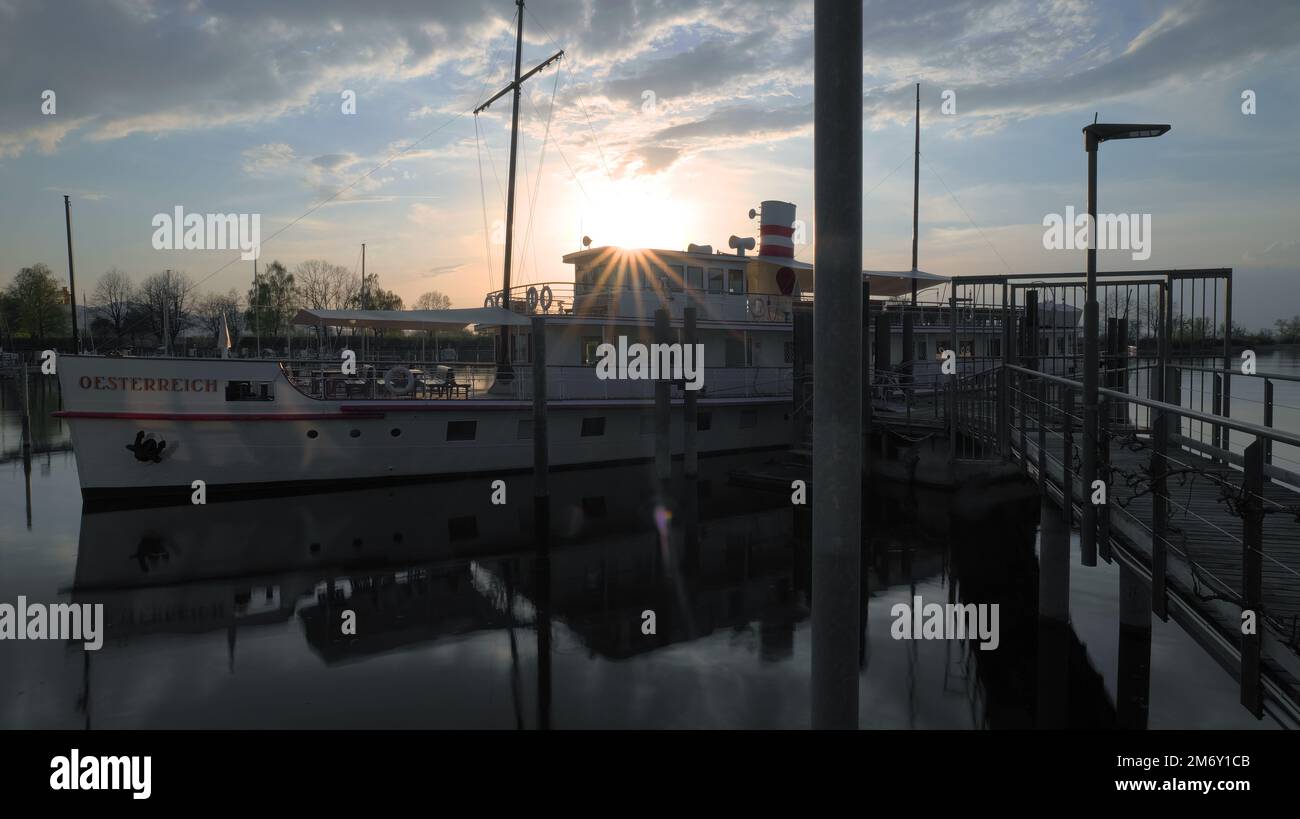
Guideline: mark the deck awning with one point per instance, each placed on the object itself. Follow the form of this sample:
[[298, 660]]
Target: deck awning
[[457, 319], [898, 282]]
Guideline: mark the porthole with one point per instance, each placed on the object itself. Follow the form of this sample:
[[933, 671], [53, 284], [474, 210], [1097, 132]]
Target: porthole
[[356, 433], [311, 433], [395, 432]]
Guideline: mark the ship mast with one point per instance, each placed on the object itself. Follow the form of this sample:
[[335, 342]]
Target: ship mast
[[504, 372]]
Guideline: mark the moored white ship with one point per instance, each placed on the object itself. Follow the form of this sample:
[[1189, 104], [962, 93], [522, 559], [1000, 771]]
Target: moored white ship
[[160, 424]]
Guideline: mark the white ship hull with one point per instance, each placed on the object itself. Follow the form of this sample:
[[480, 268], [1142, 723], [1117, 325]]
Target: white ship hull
[[177, 416]]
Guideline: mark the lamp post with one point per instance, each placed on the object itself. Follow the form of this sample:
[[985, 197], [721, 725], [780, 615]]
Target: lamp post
[[1093, 136]]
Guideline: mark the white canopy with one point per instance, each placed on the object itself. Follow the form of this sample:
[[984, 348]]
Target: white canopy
[[457, 319], [898, 282]]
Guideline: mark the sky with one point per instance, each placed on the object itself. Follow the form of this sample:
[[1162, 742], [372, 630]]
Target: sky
[[663, 124]]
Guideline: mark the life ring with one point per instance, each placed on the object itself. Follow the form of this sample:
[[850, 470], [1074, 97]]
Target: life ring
[[532, 299], [408, 384], [546, 298], [757, 308]]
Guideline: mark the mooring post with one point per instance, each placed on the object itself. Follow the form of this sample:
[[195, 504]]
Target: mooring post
[[875, 376], [1103, 469], [1067, 456], [837, 383], [1088, 524], [1042, 434], [1134, 679], [690, 458], [663, 422], [1053, 562], [1252, 577]]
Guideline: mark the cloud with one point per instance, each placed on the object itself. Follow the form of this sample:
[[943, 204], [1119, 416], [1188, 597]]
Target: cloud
[[266, 160]]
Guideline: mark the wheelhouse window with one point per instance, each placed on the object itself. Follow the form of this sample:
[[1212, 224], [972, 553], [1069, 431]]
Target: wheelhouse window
[[695, 278], [675, 278], [715, 280], [250, 391], [593, 427], [735, 281]]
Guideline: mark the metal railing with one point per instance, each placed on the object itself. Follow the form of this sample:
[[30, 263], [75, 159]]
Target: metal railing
[[569, 299], [1206, 504]]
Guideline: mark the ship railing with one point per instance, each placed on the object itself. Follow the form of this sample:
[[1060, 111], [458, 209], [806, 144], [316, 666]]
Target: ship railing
[[569, 299], [371, 378], [583, 382]]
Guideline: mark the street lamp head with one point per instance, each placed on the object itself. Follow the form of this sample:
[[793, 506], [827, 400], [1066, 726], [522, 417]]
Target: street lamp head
[[1100, 132]]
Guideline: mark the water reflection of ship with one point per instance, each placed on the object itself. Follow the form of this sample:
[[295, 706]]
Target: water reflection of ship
[[389, 554]]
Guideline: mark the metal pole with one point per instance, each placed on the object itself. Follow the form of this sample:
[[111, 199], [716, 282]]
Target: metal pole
[[691, 463], [541, 454], [916, 189], [663, 422], [72, 277], [1227, 361], [1159, 463], [1252, 588], [503, 365], [837, 385], [1088, 525]]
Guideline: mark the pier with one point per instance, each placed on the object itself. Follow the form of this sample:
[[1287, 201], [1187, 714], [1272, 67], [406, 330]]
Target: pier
[[1200, 509]]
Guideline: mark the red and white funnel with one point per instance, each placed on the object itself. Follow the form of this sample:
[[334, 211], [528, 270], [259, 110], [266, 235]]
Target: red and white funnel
[[776, 229]]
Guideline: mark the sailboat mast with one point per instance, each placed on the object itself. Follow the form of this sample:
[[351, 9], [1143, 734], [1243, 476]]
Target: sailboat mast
[[515, 86], [510, 187], [916, 187]]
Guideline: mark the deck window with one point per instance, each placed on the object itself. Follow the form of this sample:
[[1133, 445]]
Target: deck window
[[589, 345], [593, 427], [704, 421], [920, 351], [462, 430], [695, 278], [249, 391], [715, 280]]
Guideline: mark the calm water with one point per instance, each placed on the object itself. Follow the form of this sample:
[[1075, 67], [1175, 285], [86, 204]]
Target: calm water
[[227, 615]]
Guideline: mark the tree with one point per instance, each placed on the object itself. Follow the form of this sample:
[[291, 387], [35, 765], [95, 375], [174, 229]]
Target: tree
[[381, 299], [114, 294], [35, 304], [1288, 330], [324, 286], [433, 300], [272, 302], [216, 312], [167, 300]]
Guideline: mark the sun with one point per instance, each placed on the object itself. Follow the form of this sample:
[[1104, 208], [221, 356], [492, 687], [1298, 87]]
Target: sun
[[639, 212]]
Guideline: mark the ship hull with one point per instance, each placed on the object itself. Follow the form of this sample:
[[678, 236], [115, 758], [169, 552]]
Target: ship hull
[[133, 438]]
